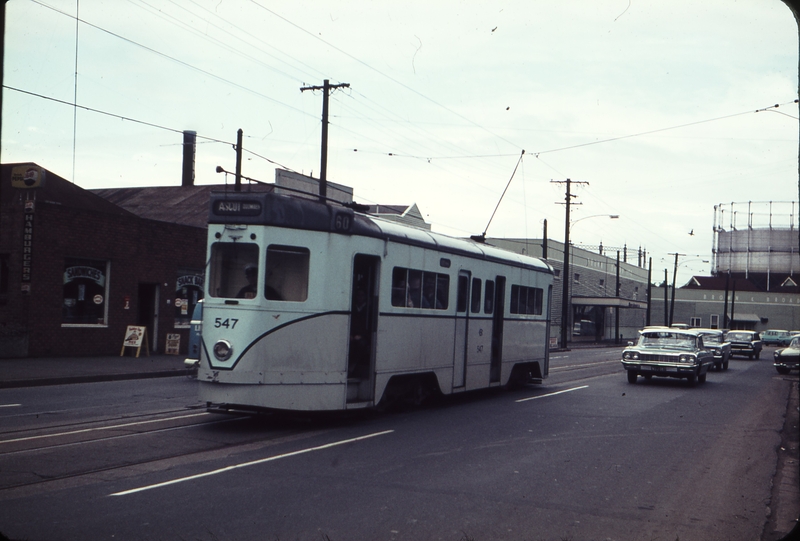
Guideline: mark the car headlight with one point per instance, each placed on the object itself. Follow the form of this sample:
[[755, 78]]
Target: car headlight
[[223, 350], [688, 358], [630, 355]]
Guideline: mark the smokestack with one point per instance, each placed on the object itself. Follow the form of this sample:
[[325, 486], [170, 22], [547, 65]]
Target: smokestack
[[189, 144]]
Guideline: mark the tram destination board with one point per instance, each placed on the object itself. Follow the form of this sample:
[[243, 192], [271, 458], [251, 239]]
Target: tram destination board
[[280, 211], [228, 207]]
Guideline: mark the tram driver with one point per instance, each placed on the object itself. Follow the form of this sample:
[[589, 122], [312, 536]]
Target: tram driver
[[249, 291]]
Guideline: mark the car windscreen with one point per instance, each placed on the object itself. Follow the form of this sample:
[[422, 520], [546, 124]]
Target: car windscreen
[[665, 339], [741, 336], [712, 338]]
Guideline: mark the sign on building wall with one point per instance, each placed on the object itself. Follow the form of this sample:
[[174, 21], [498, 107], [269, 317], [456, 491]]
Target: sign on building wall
[[27, 246]]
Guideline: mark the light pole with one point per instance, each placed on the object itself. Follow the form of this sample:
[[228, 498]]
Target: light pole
[[674, 285], [565, 304]]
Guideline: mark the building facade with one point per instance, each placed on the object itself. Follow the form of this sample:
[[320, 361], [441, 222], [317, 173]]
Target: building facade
[[76, 270]]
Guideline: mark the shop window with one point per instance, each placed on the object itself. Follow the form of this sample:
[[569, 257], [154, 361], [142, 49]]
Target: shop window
[[188, 291], [85, 292], [421, 289]]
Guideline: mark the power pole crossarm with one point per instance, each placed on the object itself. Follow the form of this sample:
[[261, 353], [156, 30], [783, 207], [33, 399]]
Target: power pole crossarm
[[323, 170]]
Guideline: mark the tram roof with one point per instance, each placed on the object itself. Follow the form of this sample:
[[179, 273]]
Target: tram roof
[[311, 214]]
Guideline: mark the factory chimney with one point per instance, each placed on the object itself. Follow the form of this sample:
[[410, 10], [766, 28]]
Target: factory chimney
[[189, 144]]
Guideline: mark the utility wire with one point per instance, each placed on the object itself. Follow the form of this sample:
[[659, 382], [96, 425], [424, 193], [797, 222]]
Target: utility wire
[[143, 122]]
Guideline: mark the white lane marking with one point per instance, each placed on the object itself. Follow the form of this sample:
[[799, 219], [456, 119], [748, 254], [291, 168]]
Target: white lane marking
[[551, 394], [113, 427], [246, 464], [10, 405]]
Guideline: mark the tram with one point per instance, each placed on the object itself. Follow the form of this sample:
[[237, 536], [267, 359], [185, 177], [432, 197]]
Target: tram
[[312, 306]]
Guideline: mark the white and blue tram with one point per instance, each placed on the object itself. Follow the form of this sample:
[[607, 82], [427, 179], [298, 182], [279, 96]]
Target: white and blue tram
[[316, 307]]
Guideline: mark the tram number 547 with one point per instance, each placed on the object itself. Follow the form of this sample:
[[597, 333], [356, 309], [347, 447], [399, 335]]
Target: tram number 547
[[228, 323]]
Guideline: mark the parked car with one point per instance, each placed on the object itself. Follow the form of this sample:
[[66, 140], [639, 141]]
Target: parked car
[[745, 343], [773, 337], [788, 359], [714, 339], [195, 332], [669, 353], [786, 340]]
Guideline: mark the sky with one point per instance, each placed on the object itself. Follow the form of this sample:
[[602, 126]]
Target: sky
[[657, 110]]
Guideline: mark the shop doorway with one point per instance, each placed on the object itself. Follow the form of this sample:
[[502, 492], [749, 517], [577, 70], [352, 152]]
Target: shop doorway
[[148, 313]]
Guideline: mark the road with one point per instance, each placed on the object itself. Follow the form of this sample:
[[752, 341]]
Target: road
[[583, 456]]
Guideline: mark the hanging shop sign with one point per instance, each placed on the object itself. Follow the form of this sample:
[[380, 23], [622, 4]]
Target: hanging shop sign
[[27, 176]]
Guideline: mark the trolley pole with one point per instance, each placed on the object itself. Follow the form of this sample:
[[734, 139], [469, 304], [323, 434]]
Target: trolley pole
[[323, 168]]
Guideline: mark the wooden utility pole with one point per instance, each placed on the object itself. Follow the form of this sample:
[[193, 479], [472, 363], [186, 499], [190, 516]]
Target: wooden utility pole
[[566, 272], [237, 186], [323, 169]]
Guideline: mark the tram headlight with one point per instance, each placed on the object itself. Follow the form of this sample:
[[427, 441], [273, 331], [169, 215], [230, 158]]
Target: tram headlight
[[223, 350]]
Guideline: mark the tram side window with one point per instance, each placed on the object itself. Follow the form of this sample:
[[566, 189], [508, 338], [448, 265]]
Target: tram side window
[[526, 300], [461, 300], [286, 278], [418, 289], [229, 266], [475, 305], [488, 303]]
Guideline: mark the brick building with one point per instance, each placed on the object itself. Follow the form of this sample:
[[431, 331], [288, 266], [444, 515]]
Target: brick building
[[76, 269]]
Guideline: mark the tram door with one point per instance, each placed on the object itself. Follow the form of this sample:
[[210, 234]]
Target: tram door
[[363, 327], [461, 345], [497, 328]]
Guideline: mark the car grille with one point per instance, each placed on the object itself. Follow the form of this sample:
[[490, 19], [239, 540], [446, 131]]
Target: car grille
[[658, 358]]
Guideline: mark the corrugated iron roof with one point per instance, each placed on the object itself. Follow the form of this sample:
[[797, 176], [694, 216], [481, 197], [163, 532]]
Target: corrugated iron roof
[[185, 205]]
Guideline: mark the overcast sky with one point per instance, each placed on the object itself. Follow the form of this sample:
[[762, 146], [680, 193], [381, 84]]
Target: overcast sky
[[652, 103]]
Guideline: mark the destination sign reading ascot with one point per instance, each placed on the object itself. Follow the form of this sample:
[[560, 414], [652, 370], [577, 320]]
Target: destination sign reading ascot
[[237, 208]]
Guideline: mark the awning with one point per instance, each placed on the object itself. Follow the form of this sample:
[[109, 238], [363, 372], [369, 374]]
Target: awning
[[611, 302], [746, 318]]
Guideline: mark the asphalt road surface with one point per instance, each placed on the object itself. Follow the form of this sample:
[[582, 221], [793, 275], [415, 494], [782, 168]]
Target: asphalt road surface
[[584, 456]]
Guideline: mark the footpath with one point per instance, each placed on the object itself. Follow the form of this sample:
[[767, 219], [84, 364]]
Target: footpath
[[35, 372]]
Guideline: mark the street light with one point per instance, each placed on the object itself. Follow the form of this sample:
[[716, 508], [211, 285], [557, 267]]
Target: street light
[[566, 272]]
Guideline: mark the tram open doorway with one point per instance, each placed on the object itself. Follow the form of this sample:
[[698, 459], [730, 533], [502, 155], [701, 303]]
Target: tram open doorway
[[363, 326]]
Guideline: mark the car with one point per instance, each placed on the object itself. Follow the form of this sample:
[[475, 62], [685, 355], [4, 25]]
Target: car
[[714, 339], [773, 337], [668, 353], [745, 343], [788, 358], [195, 332], [786, 340]]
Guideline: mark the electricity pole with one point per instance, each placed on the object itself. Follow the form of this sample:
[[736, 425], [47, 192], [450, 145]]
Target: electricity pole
[[323, 170], [565, 272]]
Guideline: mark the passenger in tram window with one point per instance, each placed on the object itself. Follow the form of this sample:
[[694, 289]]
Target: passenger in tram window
[[429, 299], [358, 362], [249, 291], [414, 297]]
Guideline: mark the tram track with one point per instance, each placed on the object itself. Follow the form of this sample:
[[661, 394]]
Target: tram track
[[29, 473]]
